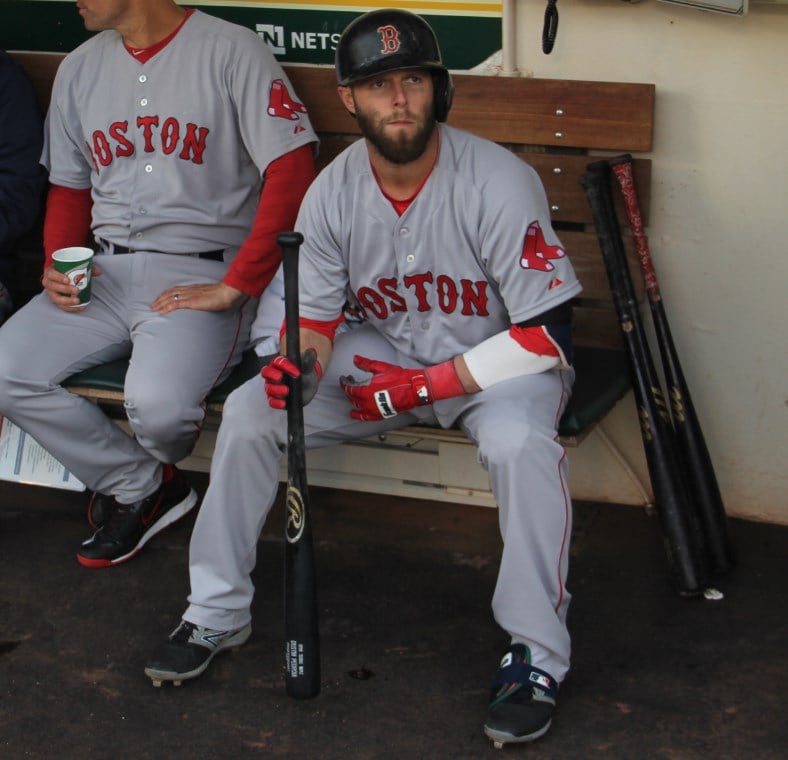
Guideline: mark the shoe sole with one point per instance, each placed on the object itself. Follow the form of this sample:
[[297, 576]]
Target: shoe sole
[[176, 679], [178, 511], [499, 738]]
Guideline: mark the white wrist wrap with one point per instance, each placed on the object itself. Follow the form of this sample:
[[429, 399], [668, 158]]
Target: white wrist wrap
[[501, 358]]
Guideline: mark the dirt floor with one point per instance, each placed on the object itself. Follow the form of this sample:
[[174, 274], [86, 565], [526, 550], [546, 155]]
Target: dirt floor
[[409, 647]]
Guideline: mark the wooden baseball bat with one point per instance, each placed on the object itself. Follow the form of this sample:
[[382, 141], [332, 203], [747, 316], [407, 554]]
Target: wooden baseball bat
[[302, 637], [667, 480], [694, 452]]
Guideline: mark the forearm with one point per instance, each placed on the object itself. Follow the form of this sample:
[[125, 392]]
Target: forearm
[[320, 342], [524, 349], [509, 354], [464, 375], [67, 220], [286, 181]]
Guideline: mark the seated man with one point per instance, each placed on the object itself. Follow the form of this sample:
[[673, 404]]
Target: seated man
[[22, 178], [174, 138], [444, 241]]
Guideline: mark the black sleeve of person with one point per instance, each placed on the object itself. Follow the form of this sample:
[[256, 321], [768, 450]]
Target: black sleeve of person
[[558, 315]]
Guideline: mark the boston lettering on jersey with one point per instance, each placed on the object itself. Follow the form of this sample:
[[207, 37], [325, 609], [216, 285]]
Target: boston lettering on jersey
[[168, 136], [441, 291]]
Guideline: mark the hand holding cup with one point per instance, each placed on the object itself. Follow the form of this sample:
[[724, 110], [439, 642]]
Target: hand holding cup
[[76, 264]]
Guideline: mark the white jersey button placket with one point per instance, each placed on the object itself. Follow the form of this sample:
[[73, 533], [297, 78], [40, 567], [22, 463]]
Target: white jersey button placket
[[143, 78]]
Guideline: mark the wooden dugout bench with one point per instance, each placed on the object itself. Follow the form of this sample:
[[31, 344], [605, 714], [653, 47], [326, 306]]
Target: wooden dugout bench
[[558, 126]]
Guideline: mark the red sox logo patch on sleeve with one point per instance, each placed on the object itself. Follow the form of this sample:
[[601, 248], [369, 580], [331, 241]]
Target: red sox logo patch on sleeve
[[537, 253], [281, 103]]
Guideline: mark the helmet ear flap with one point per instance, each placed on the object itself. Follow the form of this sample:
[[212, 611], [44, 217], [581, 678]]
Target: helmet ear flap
[[444, 93]]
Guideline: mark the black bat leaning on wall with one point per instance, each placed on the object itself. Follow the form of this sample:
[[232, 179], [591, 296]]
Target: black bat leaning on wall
[[680, 531], [695, 457], [302, 637]]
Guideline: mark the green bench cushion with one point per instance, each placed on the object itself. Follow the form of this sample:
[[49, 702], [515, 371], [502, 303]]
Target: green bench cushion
[[104, 377], [602, 379]]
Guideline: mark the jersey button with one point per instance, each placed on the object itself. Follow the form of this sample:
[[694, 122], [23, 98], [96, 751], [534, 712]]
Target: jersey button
[[148, 168], [138, 235], [143, 78], [410, 258], [144, 102], [404, 232]]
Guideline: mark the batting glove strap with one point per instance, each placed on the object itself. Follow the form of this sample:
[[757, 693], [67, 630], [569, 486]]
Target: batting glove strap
[[415, 391], [444, 381]]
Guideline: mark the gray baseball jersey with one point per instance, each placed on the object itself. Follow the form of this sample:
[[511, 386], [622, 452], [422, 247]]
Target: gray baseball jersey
[[174, 149], [474, 252]]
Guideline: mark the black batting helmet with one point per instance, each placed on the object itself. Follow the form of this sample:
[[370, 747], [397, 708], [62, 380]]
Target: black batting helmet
[[388, 40]]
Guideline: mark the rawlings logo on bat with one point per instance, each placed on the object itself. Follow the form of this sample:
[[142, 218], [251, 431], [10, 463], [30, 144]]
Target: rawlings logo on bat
[[295, 515]]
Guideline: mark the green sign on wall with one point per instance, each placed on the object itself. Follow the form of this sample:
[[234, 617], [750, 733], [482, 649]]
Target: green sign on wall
[[297, 32]]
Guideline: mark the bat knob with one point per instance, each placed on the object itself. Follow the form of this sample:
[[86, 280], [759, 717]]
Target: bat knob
[[289, 239]]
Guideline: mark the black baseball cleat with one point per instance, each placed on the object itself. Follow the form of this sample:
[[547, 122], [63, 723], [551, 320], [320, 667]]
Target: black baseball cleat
[[99, 508], [522, 700], [189, 650], [128, 527]]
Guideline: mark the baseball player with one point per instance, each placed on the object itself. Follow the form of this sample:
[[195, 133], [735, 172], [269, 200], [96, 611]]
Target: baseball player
[[444, 242], [176, 141]]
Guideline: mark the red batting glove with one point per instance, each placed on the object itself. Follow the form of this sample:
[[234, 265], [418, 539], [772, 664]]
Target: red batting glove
[[281, 368], [395, 389]]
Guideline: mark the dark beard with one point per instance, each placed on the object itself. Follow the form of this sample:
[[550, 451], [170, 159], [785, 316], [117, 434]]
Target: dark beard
[[397, 151]]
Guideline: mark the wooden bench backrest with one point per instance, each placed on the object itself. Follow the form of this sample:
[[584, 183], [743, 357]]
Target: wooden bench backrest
[[558, 126]]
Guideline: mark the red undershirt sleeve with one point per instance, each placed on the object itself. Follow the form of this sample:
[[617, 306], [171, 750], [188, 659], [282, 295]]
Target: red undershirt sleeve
[[328, 329], [67, 219], [286, 180]]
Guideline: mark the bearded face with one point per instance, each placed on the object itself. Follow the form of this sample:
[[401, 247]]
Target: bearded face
[[395, 112], [398, 145]]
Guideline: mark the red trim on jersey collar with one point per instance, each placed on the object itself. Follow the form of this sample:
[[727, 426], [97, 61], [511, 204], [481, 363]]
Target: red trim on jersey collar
[[402, 206], [143, 55]]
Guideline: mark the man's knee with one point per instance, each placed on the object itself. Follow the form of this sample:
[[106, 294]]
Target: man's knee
[[510, 442], [12, 379], [160, 413]]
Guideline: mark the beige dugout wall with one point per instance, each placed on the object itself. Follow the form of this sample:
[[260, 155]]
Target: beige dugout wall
[[718, 228]]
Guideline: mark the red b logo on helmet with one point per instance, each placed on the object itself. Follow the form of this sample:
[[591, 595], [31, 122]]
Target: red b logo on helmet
[[389, 39]]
